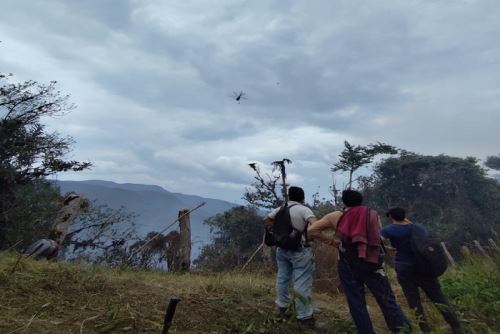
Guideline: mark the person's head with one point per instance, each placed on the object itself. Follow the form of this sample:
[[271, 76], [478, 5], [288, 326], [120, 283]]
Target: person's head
[[296, 194], [396, 214], [352, 198]]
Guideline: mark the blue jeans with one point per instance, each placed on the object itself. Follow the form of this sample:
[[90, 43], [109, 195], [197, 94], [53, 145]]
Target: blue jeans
[[295, 268], [353, 284]]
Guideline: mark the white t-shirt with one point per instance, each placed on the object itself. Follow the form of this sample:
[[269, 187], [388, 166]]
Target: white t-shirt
[[299, 215]]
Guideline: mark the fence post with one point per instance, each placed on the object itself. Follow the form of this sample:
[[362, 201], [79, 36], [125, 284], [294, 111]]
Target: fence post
[[169, 315], [448, 255], [481, 249], [465, 252], [185, 239], [493, 245], [495, 234]]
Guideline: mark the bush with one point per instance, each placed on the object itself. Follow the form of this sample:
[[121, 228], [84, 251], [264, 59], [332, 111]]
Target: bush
[[474, 290]]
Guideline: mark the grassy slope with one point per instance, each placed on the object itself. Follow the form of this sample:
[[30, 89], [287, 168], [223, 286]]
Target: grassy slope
[[59, 297], [42, 297]]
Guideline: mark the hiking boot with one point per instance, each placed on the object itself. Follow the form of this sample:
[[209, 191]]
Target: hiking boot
[[283, 313], [310, 323]]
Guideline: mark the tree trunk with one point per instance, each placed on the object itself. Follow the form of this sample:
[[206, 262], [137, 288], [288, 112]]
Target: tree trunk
[[185, 239], [72, 205]]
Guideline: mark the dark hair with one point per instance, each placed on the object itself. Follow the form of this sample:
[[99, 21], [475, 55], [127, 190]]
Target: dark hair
[[352, 198], [296, 194], [398, 214]]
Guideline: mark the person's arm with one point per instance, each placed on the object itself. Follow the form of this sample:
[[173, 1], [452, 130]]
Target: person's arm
[[268, 220], [328, 222], [387, 244]]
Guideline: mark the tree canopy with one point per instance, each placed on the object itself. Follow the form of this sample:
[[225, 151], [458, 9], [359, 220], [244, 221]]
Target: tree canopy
[[28, 152], [236, 234], [493, 162], [452, 196], [354, 157]]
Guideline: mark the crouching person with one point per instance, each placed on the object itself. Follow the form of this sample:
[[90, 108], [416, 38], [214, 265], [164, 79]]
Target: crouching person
[[286, 229], [43, 249], [360, 264]]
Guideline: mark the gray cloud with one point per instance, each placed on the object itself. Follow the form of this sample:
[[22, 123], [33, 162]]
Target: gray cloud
[[153, 81]]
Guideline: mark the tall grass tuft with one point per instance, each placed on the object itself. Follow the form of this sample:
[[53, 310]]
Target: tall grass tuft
[[473, 288]]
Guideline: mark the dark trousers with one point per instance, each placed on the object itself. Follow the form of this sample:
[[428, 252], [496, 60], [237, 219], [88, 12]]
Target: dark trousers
[[353, 284], [410, 280]]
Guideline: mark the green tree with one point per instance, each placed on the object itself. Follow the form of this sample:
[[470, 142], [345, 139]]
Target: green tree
[[354, 157], [493, 162], [28, 152], [237, 233], [33, 208], [452, 196]]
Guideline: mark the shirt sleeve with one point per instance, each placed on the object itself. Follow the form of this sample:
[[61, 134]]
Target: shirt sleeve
[[308, 214], [385, 232]]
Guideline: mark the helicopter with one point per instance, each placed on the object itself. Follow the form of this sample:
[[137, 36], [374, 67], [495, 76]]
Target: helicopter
[[239, 96]]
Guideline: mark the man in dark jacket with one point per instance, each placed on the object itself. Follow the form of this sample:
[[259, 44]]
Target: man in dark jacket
[[399, 233]]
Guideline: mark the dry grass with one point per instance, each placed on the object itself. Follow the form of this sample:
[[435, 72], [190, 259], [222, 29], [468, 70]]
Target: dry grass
[[55, 297]]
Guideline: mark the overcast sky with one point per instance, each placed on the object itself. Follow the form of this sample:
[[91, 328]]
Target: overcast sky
[[153, 82]]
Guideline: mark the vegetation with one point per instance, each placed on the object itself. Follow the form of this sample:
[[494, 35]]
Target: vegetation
[[452, 196], [266, 192], [474, 290], [101, 235], [29, 153], [237, 233], [50, 297], [31, 212], [493, 162], [353, 157]]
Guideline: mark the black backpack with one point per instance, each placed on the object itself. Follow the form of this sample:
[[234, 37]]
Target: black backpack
[[430, 256], [282, 233]]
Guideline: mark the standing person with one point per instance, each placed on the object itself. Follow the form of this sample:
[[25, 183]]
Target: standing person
[[360, 263], [399, 233], [295, 266]]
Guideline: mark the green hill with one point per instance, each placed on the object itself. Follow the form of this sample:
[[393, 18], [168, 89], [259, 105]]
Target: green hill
[[56, 297]]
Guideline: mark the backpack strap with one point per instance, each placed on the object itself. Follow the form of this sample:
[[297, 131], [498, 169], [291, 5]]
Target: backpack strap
[[304, 232]]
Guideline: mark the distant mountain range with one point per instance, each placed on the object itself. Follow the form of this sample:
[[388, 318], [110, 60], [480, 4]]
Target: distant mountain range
[[156, 207]]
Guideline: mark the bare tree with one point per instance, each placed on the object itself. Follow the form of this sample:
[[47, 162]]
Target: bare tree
[[265, 191]]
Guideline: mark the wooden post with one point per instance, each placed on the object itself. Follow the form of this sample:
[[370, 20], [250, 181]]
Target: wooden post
[[493, 245], [448, 255], [481, 249], [495, 234], [465, 252], [72, 205], [169, 315], [185, 239]]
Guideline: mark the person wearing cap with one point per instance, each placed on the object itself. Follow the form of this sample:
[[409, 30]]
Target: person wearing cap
[[399, 234]]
